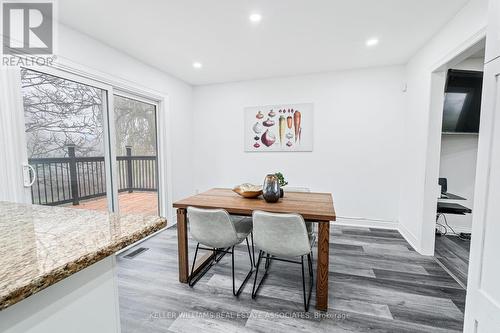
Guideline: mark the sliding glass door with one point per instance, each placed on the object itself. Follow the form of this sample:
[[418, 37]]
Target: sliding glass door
[[136, 154], [66, 137], [88, 147]]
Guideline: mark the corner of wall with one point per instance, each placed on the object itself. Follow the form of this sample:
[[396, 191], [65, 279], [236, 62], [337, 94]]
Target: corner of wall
[[409, 237]]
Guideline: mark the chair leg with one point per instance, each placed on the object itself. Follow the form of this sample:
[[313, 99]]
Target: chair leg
[[253, 249], [303, 283], [249, 274], [254, 292], [252, 260], [190, 278], [307, 299], [268, 261], [266, 266]]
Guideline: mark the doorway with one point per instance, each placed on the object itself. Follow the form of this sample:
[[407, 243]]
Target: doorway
[[456, 107]]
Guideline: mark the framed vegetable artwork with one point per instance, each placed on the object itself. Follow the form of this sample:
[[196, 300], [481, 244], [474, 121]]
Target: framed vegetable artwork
[[283, 127]]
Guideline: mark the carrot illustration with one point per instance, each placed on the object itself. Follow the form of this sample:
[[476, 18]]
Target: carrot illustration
[[296, 124], [289, 121]]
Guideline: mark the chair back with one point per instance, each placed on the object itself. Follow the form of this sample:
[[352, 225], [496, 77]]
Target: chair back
[[212, 227], [283, 235]]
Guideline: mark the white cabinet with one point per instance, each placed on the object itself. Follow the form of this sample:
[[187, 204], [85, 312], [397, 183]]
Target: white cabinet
[[482, 312], [493, 33]]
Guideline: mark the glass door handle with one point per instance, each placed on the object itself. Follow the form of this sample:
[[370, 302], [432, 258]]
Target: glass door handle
[[26, 175]]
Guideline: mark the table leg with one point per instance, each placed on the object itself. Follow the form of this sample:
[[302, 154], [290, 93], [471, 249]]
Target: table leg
[[323, 266], [182, 244]]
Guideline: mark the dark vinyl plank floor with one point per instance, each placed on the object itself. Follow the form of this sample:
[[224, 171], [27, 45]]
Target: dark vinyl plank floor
[[453, 253], [377, 284]]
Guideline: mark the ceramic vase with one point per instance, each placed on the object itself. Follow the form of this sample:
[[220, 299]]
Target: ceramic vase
[[271, 188]]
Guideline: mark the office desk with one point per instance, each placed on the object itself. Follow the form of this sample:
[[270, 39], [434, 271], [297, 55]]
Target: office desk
[[451, 196], [452, 208]]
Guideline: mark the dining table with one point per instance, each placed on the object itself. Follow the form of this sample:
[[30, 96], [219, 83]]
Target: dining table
[[314, 207]]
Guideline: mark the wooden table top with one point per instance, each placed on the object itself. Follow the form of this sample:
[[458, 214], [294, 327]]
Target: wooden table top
[[312, 206]]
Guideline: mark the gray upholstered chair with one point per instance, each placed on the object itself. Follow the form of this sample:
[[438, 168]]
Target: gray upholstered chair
[[309, 225], [219, 233], [282, 237]]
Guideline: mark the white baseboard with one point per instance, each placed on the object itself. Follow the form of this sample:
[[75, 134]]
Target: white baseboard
[[366, 223], [410, 237], [381, 224]]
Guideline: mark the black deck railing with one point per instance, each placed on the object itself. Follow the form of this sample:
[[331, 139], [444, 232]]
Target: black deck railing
[[70, 179]]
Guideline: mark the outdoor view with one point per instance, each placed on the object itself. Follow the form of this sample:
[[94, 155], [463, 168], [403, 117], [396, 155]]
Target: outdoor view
[[65, 143]]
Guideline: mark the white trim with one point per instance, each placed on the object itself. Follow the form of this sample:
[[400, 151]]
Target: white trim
[[366, 223], [451, 274], [12, 141], [462, 48], [110, 150], [411, 239], [433, 145]]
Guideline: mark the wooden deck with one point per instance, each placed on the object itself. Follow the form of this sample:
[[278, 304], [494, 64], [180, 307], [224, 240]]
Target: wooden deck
[[135, 202]]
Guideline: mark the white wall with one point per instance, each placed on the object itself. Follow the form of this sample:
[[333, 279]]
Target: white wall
[[98, 57], [458, 161], [418, 187], [89, 52], [458, 165], [357, 136]]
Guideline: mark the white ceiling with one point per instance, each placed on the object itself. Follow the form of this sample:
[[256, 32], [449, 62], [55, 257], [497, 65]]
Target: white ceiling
[[294, 36]]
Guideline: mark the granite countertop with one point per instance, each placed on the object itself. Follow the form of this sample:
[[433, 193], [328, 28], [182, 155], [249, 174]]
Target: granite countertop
[[41, 245]]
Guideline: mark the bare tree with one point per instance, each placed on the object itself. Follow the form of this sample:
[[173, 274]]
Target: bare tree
[[135, 126], [60, 112]]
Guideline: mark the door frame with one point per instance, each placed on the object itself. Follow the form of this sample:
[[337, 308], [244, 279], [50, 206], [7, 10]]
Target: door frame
[[432, 158], [67, 69], [159, 155]]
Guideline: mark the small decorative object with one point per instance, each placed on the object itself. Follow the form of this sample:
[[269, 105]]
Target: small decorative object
[[282, 182], [271, 189], [247, 190], [290, 127]]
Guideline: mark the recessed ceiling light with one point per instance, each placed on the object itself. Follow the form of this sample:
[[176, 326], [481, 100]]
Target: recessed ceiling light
[[372, 42], [255, 17], [197, 64]]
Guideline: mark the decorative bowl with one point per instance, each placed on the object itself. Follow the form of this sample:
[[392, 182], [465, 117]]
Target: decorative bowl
[[248, 191]]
